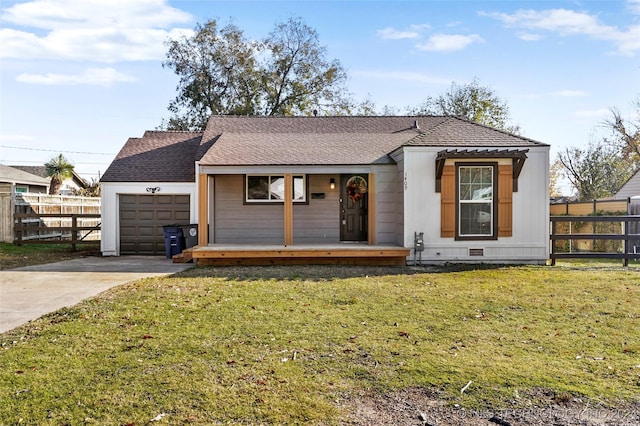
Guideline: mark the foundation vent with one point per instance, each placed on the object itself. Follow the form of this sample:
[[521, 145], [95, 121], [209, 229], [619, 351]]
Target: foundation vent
[[476, 252]]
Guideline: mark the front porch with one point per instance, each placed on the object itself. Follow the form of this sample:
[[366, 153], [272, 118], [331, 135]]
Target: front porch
[[260, 255]]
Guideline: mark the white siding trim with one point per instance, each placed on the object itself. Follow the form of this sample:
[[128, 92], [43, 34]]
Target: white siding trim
[[110, 195]]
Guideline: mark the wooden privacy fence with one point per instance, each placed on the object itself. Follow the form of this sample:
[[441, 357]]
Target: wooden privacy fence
[[41, 216], [604, 237], [589, 207], [70, 228]]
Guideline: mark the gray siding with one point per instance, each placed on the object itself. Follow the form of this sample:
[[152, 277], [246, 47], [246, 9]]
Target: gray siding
[[319, 221], [631, 188], [238, 223]]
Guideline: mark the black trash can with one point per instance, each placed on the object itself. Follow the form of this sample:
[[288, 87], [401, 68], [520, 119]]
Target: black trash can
[[173, 240], [190, 233]]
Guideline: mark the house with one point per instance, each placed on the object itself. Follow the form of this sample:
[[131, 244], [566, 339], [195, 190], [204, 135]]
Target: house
[[69, 185], [430, 188], [631, 187], [18, 180]]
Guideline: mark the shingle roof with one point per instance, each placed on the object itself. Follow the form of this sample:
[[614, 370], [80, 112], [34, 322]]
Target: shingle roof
[[339, 140], [42, 172], [156, 157], [456, 131], [302, 148], [261, 140], [14, 175]]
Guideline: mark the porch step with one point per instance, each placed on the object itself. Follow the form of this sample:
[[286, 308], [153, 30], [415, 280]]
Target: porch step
[[235, 255], [185, 257]]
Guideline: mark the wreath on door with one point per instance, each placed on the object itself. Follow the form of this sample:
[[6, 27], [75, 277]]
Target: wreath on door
[[356, 187]]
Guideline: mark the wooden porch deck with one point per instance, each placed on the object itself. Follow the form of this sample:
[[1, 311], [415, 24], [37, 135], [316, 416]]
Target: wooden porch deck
[[330, 254]]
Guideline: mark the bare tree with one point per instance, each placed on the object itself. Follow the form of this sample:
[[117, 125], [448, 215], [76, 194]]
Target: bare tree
[[625, 133]]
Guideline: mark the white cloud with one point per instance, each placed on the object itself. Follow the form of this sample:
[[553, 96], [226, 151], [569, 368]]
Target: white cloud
[[449, 42], [568, 22], [393, 34], [91, 76], [97, 30], [530, 37], [569, 93], [402, 76], [634, 6]]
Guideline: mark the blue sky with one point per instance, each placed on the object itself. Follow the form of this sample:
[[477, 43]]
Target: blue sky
[[81, 76]]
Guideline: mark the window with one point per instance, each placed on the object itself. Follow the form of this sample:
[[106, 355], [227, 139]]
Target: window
[[476, 207], [270, 189], [468, 191]]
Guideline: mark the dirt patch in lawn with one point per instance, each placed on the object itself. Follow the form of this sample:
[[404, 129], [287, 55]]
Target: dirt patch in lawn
[[541, 407]]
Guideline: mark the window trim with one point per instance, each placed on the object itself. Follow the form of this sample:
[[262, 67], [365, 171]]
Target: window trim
[[494, 201], [247, 201]]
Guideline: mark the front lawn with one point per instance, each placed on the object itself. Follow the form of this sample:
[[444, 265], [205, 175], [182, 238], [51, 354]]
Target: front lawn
[[15, 256], [300, 344]]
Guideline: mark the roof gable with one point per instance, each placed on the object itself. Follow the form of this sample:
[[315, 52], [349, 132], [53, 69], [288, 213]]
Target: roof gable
[[156, 157], [460, 132]]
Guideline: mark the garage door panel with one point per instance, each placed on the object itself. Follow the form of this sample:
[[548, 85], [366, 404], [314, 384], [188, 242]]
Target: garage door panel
[[165, 215], [182, 216], [144, 215], [142, 218], [147, 231], [127, 215], [166, 199]]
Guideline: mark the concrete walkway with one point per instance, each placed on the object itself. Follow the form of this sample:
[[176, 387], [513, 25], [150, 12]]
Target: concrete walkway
[[28, 293]]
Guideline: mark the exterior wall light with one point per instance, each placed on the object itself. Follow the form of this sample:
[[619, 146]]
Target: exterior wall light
[[332, 183]]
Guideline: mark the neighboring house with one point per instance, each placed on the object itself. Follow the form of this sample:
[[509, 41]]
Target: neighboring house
[[74, 183], [22, 181], [631, 187], [475, 193]]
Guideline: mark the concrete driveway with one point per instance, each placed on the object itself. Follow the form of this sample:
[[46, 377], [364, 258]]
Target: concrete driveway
[[28, 293]]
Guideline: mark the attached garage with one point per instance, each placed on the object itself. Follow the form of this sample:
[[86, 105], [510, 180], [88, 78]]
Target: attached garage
[[142, 217]]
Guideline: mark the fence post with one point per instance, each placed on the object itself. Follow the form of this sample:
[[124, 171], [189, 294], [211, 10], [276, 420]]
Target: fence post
[[74, 232], [625, 244], [553, 243]]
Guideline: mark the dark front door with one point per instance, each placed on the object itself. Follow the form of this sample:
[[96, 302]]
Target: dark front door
[[353, 208]]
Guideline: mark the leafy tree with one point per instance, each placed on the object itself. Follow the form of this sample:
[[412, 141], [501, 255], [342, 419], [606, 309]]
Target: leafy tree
[[472, 101], [555, 173], [58, 169], [597, 172], [297, 77], [218, 75], [221, 72]]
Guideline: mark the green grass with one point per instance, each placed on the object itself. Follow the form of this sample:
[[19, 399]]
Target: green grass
[[14, 256], [289, 345]]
